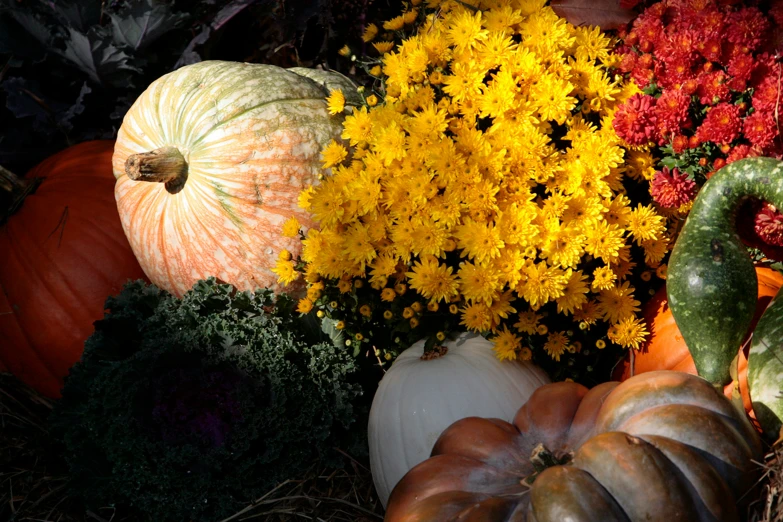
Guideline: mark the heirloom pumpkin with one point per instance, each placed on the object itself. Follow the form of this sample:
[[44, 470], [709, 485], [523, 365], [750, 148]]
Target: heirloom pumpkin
[[418, 398], [62, 253], [660, 447], [665, 348], [210, 161]]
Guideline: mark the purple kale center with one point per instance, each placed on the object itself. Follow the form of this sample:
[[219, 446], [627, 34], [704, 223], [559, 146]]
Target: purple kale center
[[196, 406]]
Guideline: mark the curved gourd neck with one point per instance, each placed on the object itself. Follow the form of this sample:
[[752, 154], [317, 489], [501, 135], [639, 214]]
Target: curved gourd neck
[[165, 165], [721, 197]]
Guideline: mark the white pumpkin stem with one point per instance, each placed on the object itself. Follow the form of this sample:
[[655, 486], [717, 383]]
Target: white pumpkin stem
[[164, 165], [435, 353]]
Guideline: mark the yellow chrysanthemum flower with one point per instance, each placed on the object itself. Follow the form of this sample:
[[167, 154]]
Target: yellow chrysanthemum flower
[[336, 101], [628, 333], [487, 177], [506, 344], [291, 227], [370, 32], [333, 154]]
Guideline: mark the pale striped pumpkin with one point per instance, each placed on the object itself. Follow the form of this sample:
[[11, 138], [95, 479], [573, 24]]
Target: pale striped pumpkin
[[210, 161]]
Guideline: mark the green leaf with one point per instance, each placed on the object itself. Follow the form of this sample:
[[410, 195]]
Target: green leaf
[[143, 23], [79, 14], [34, 27], [328, 326]]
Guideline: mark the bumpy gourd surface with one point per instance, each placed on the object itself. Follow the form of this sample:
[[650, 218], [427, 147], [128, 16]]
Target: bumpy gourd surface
[[251, 136], [659, 447], [712, 284], [765, 369]]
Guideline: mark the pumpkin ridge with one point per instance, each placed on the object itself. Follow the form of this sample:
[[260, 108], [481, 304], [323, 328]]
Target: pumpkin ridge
[[14, 254], [241, 113], [97, 225], [202, 219], [42, 253], [30, 345]]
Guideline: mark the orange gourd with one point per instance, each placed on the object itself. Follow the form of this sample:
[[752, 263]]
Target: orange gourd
[[62, 253], [665, 348]]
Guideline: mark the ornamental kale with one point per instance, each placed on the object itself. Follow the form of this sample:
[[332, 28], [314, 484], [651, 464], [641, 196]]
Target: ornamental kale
[[189, 409]]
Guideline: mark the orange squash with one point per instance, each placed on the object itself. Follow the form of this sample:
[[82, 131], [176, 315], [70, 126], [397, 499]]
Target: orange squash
[[62, 253], [210, 161], [665, 348]]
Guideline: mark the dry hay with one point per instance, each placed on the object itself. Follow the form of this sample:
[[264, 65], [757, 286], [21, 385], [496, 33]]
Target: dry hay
[[33, 478], [768, 506]]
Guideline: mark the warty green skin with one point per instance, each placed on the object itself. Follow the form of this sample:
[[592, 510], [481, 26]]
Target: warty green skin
[[712, 285], [765, 369]]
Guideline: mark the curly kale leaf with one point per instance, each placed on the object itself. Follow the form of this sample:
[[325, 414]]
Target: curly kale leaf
[[187, 409]]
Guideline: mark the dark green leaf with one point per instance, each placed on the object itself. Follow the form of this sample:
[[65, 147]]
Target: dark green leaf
[[79, 14], [94, 55], [143, 23], [64, 119], [34, 27]]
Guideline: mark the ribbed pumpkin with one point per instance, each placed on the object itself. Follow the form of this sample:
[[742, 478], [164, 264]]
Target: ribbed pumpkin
[[62, 253], [210, 161], [665, 348], [660, 447]]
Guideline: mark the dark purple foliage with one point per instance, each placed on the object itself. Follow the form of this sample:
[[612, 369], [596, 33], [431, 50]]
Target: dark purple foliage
[[196, 405]]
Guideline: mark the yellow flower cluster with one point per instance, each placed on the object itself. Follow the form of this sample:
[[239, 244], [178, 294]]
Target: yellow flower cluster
[[490, 178]]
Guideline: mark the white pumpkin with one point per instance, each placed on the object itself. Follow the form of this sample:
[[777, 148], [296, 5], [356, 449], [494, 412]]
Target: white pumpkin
[[418, 399]]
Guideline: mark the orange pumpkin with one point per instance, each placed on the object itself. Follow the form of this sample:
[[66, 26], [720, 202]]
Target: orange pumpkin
[[210, 162], [62, 253], [665, 348]]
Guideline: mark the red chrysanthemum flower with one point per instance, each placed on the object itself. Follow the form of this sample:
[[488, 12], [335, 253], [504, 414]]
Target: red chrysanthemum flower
[[634, 121], [671, 189], [679, 143], [649, 28], [776, 12], [740, 151], [628, 62], [741, 66], [671, 111], [760, 128], [768, 224], [722, 124], [680, 41], [710, 48], [674, 70], [712, 88], [767, 95], [703, 15], [746, 27]]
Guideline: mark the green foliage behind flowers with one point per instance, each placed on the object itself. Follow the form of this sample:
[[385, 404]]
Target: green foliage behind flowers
[[189, 409]]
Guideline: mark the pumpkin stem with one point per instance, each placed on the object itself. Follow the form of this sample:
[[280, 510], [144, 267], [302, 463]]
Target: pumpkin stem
[[10, 182], [18, 188], [164, 165], [436, 352], [542, 458]]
